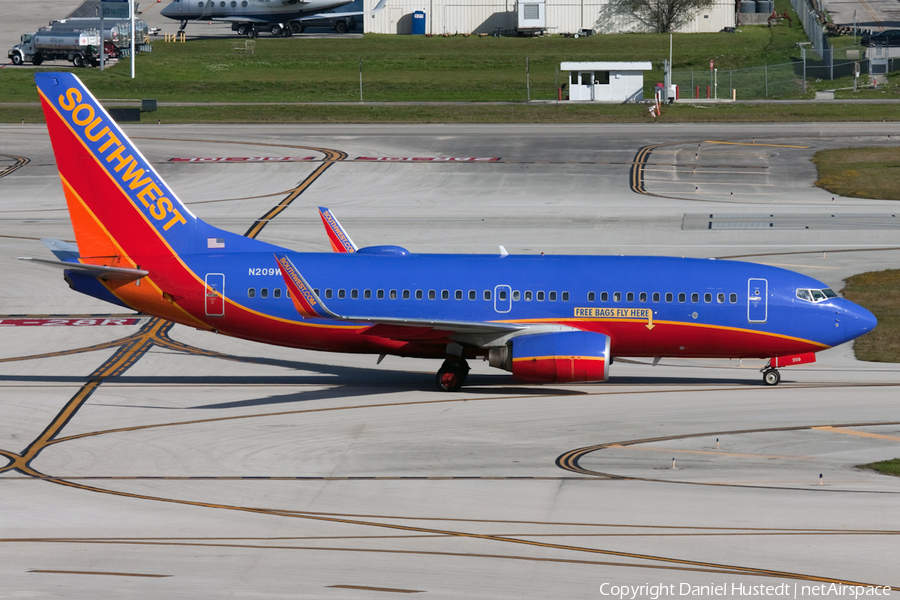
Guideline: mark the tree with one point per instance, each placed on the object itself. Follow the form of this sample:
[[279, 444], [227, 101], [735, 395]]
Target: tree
[[663, 16]]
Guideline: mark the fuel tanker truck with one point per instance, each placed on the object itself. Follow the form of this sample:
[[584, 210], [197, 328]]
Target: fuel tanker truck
[[81, 48]]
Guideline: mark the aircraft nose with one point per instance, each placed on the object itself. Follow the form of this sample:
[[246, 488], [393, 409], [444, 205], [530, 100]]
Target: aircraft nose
[[169, 11], [858, 320]]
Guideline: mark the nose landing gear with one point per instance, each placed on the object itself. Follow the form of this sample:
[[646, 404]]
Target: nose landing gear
[[771, 376]]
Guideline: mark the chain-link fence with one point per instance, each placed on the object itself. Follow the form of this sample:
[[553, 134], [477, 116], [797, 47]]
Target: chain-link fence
[[769, 81]]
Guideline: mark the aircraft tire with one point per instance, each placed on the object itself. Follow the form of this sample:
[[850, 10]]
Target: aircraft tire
[[275, 30], [449, 379], [771, 377], [296, 27], [341, 27], [37, 59], [241, 30], [252, 33], [286, 32], [17, 59]]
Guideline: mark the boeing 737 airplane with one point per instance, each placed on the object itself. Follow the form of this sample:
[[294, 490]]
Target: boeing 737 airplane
[[544, 318], [248, 17]]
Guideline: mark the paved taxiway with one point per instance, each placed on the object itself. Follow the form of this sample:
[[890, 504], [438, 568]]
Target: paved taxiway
[[144, 460]]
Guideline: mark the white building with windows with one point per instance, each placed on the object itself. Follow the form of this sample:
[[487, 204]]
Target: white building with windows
[[561, 16], [606, 81]]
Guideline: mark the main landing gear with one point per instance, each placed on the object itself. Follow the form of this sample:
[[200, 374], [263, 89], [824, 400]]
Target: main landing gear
[[452, 374], [771, 376]]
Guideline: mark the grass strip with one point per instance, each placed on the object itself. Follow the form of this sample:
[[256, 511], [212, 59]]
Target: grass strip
[[888, 467], [860, 172], [879, 292], [497, 113]]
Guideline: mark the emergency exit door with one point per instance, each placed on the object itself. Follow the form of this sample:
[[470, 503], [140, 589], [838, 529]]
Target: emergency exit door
[[757, 300], [215, 294]]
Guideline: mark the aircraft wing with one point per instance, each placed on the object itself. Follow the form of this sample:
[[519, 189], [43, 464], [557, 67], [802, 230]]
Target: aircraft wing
[[330, 15], [308, 304]]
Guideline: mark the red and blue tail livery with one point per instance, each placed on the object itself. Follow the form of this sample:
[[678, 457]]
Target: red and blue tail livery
[[544, 318]]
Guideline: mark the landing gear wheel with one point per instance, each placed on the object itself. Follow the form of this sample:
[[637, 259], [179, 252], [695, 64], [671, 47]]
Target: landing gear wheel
[[275, 30], [296, 27], [241, 30], [341, 27], [771, 377], [252, 33], [451, 376], [286, 32]]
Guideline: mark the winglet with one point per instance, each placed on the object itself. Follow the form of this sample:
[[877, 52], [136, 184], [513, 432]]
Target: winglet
[[340, 241], [305, 299]]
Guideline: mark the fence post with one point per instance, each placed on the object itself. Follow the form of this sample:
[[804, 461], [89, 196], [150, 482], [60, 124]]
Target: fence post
[[692, 83], [803, 54], [766, 77]]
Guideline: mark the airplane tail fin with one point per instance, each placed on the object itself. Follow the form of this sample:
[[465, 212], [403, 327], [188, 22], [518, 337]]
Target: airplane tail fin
[[119, 204]]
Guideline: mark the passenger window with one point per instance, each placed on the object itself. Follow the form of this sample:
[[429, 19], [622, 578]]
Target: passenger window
[[643, 297], [540, 296], [264, 293], [733, 298], [316, 291], [458, 295], [419, 295], [656, 296], [617, 297], [604, 297], [552, 296], [393, 294], [277, 292], [629, 296], [516, 296], [669, 297], [707, 297], [367, 294], [487, 294], [342, 293], [251, 293], [695, 297], [682, 297], [720, 298], [565, 296], [591, 296], [287, 293], [501, 294], [473, 295], [527, 295], [432, 294], [379, 294], [445, 294], [354, 294], [328, 293], [406, 294]]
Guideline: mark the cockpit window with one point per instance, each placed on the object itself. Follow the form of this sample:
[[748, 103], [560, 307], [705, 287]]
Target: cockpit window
[[816, 295]]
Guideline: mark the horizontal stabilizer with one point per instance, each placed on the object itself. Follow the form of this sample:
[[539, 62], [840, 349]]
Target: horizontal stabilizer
[[117, 273]]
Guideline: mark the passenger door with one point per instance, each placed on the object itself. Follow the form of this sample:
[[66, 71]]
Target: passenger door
[[215, 294], [757, 303]]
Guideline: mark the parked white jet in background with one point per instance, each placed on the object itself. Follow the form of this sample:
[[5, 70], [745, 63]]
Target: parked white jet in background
[[249, 17]]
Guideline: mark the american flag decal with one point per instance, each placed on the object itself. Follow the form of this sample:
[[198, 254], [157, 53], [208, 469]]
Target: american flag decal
[[215, 243]]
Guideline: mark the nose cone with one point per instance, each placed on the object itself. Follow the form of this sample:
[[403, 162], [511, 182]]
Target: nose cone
[[856, 320], [172, 10]]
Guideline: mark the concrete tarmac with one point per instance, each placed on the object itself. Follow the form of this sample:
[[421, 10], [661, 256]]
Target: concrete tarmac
[[148, 460]]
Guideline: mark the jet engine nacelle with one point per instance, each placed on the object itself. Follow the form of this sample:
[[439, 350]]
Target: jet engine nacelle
[[555, 357]]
